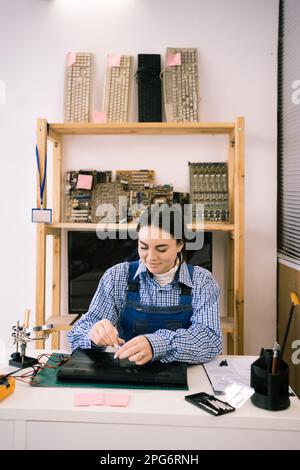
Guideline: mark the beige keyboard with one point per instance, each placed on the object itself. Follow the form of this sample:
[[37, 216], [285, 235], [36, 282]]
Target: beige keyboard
[[117, 90], [181, 88], [78, 89]]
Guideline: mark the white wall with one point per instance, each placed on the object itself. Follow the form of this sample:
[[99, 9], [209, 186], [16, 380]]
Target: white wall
[[237, 43]]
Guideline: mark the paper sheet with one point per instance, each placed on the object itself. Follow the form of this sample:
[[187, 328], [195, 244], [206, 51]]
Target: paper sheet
[[116, 399], [237, 371], [84, 182], [88, 399], [113, 60], [173, 59], [237, 394], [99, 116], [71, 58]]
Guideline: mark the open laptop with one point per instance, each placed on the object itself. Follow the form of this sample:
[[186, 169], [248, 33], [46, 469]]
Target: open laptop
[[90, 365]]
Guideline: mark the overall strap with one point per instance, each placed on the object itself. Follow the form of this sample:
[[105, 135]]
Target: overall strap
[[132, 283], [186, 290]]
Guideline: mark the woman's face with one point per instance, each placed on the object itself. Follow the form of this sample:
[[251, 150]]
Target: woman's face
[[157, 249]]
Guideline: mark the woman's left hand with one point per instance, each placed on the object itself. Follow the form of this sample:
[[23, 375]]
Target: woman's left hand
[[137, 350]]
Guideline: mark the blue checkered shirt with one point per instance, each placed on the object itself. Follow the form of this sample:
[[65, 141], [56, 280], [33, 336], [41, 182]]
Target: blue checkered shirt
[[199, 343]]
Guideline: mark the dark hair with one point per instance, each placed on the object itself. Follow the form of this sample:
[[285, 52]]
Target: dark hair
[[168, 218]]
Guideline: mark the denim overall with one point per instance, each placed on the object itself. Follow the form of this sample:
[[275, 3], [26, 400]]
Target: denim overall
[[138, 319]]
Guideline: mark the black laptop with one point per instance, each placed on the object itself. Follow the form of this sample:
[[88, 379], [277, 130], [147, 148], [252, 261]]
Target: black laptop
[[90, 365]]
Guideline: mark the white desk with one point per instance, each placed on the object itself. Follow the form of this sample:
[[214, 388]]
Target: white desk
[[45, 418]]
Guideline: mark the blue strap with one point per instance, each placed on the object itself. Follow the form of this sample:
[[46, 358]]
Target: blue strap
[[133, 283], [41, 180], [191, 270], [186, 290]]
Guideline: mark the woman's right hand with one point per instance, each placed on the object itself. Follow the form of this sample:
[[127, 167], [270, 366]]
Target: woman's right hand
[[103, 333]]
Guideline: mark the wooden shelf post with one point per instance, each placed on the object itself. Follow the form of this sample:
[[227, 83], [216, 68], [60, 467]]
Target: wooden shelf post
[[56, 256], [230, 258], [239, 236], [41, 232]]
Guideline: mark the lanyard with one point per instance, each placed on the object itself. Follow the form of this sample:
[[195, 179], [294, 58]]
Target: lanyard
[[42, 181]]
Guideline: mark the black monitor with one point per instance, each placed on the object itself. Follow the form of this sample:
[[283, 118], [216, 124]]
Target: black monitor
[[89, 257]]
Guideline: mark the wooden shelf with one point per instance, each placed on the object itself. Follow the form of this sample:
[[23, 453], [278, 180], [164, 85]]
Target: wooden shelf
[[208, 226], [142, 128], [232, 134], [61, 322]]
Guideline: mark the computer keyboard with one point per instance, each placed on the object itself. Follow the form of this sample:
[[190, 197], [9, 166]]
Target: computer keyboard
[[78, 88], [181, 87], [117, 90], [149, 88]]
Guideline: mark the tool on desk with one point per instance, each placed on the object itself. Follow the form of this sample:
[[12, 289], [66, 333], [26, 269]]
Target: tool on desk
[[21, 335], [295, 301], [7, 386], [275, 358], [210, 403], [223, 363]]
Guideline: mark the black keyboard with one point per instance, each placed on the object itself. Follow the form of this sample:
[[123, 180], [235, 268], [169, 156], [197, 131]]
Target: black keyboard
[[149, 88]]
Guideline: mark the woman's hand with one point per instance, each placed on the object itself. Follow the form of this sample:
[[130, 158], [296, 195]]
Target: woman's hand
[[137, 350], [103, 333]]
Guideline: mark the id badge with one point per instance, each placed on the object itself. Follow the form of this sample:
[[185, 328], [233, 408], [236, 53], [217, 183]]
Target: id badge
[[41, 216]]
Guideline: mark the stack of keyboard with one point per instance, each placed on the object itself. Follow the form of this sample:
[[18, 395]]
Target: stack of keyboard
[[180, 82]]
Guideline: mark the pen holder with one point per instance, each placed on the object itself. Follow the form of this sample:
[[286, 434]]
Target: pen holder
[[271, 390]]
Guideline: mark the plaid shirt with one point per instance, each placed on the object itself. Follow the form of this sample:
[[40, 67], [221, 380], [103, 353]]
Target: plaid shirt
[[199, 343]]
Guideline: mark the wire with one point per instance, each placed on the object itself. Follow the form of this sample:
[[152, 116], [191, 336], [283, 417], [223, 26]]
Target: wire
[[56, 359]]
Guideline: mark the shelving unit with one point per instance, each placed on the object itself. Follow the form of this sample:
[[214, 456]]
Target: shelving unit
[[233, 323]]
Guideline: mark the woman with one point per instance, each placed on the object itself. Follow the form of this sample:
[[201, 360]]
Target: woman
[[157, 308]]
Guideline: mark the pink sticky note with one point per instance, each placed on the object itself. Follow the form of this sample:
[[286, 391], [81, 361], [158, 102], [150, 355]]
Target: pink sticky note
[[116, 399], [71, 58], [173, 59], [84, 182], [99, 116], [88, 399], [113, 60]]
